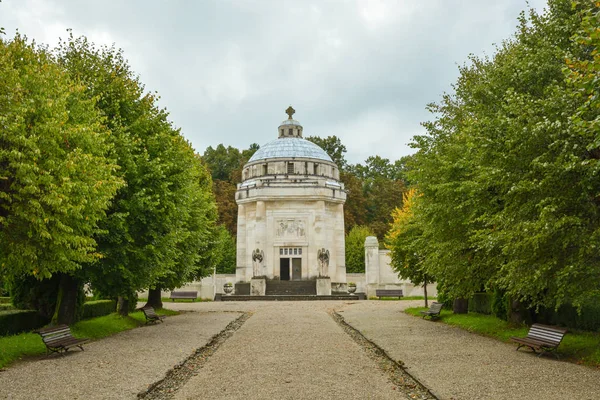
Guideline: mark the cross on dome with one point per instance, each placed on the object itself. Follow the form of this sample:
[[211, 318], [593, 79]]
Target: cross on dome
[[290, 111]]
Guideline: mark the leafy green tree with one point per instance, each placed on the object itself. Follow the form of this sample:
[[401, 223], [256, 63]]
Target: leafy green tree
[[152, 226], [355, 248], [405, 241], [57, 178], [506, 174], [333, 147], [225, 252]]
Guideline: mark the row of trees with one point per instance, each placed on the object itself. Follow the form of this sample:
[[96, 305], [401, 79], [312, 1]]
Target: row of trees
[[507, 195], [96, 185]]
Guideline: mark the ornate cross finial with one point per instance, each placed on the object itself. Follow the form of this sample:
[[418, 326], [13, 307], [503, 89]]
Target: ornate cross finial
[[290, 111]]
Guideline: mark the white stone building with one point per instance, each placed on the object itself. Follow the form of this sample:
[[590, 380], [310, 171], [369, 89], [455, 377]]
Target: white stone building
[[290, 211]]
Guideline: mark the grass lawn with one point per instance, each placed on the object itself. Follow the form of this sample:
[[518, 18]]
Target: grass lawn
[[15, 347], [404, 298], [577, 346], [168, 300]]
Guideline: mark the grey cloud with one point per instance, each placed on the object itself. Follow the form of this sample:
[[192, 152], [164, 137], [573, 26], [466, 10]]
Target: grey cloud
[[226, 70]]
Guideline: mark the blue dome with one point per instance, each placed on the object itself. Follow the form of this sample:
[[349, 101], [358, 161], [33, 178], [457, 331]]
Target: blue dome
[[289, 147]]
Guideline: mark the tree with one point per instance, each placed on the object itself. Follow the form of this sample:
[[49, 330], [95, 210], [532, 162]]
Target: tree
[[355, 248], [157, 219], [333, 147], [57, 177], [225, 252], [405, 241], [505, 170]]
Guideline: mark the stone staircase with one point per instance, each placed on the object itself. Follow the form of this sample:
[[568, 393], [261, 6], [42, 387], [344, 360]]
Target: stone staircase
[[291, 288]]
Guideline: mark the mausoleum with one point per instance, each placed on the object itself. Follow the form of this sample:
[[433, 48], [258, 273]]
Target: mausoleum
[[290, 211]]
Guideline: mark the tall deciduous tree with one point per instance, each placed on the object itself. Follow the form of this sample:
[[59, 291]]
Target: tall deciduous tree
[[355, 248], [508, 199]]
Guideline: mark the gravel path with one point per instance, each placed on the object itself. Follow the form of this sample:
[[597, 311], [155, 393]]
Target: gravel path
[[290, 350], [456, 364], [297, 350], [117, 367]]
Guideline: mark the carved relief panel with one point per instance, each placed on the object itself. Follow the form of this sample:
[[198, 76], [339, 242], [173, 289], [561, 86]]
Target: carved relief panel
[[290, 228]]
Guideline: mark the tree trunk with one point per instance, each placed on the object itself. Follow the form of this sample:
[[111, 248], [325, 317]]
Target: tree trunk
[[123, 306], [460, 306], [425, 292], [154, 298], [518, 313], [66, 302]]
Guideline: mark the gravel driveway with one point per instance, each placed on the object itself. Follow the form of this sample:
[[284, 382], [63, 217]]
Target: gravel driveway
[[456, 364], [295, 350], [117, 367]]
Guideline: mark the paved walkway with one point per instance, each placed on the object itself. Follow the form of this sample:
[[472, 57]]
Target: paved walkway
[[295, 350], [456, 364], [117, 367]]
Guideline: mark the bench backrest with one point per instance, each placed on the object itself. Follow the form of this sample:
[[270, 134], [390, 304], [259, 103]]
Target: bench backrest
[[389, 292], [192, 293], [436, 307], [149, 311], [550, 334], [55, 333]]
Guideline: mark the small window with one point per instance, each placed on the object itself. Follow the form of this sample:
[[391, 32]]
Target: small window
[[290, 168], [285, 252], [300, 251], [315, 168], [290, 132], [280, 251], [265, 169], [296, 252]]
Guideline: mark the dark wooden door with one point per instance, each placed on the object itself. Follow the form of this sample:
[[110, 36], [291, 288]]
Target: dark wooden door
[[284, 269]]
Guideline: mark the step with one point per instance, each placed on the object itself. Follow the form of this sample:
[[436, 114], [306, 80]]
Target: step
[[233, 297], [291, 288]]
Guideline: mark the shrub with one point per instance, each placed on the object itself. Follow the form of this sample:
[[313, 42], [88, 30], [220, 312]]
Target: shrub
[[17, 321], [481, 303], [98, 308], [566, 315], [499, 304]]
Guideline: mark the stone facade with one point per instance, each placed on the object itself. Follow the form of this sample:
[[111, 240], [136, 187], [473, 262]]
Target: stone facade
[[290, 211]]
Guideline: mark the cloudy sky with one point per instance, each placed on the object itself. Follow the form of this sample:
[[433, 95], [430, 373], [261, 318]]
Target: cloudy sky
[[226, 70]]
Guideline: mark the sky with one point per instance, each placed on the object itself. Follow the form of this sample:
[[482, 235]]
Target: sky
[[227, 70]]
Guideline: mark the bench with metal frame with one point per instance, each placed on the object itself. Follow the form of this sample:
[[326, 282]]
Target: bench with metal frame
[[184, 295], [59, 339], [389, 293], [542, 338], [434, 310], [151, 315]]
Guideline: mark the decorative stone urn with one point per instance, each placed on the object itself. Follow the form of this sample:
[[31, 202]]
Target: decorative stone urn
[[351, 288], [228, 288]]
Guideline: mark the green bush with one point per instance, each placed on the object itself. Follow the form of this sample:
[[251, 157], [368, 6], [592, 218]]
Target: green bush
[[481, 303], [4, 300], [566, 315], [500, 305], [17, 321], [98, 308]]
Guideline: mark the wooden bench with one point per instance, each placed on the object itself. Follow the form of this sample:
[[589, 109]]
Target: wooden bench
[[184, 295], [434, 310], [543, 338], [388, 293], [59, 339], [151, 315]]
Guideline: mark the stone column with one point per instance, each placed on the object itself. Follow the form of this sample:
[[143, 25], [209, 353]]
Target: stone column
[[241, 267], [260, 235], [340, 245], [371, 260]]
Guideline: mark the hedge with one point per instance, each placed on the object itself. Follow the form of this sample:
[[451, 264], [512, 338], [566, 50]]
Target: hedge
[[481, 303], [98, 308], [17, 321]]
